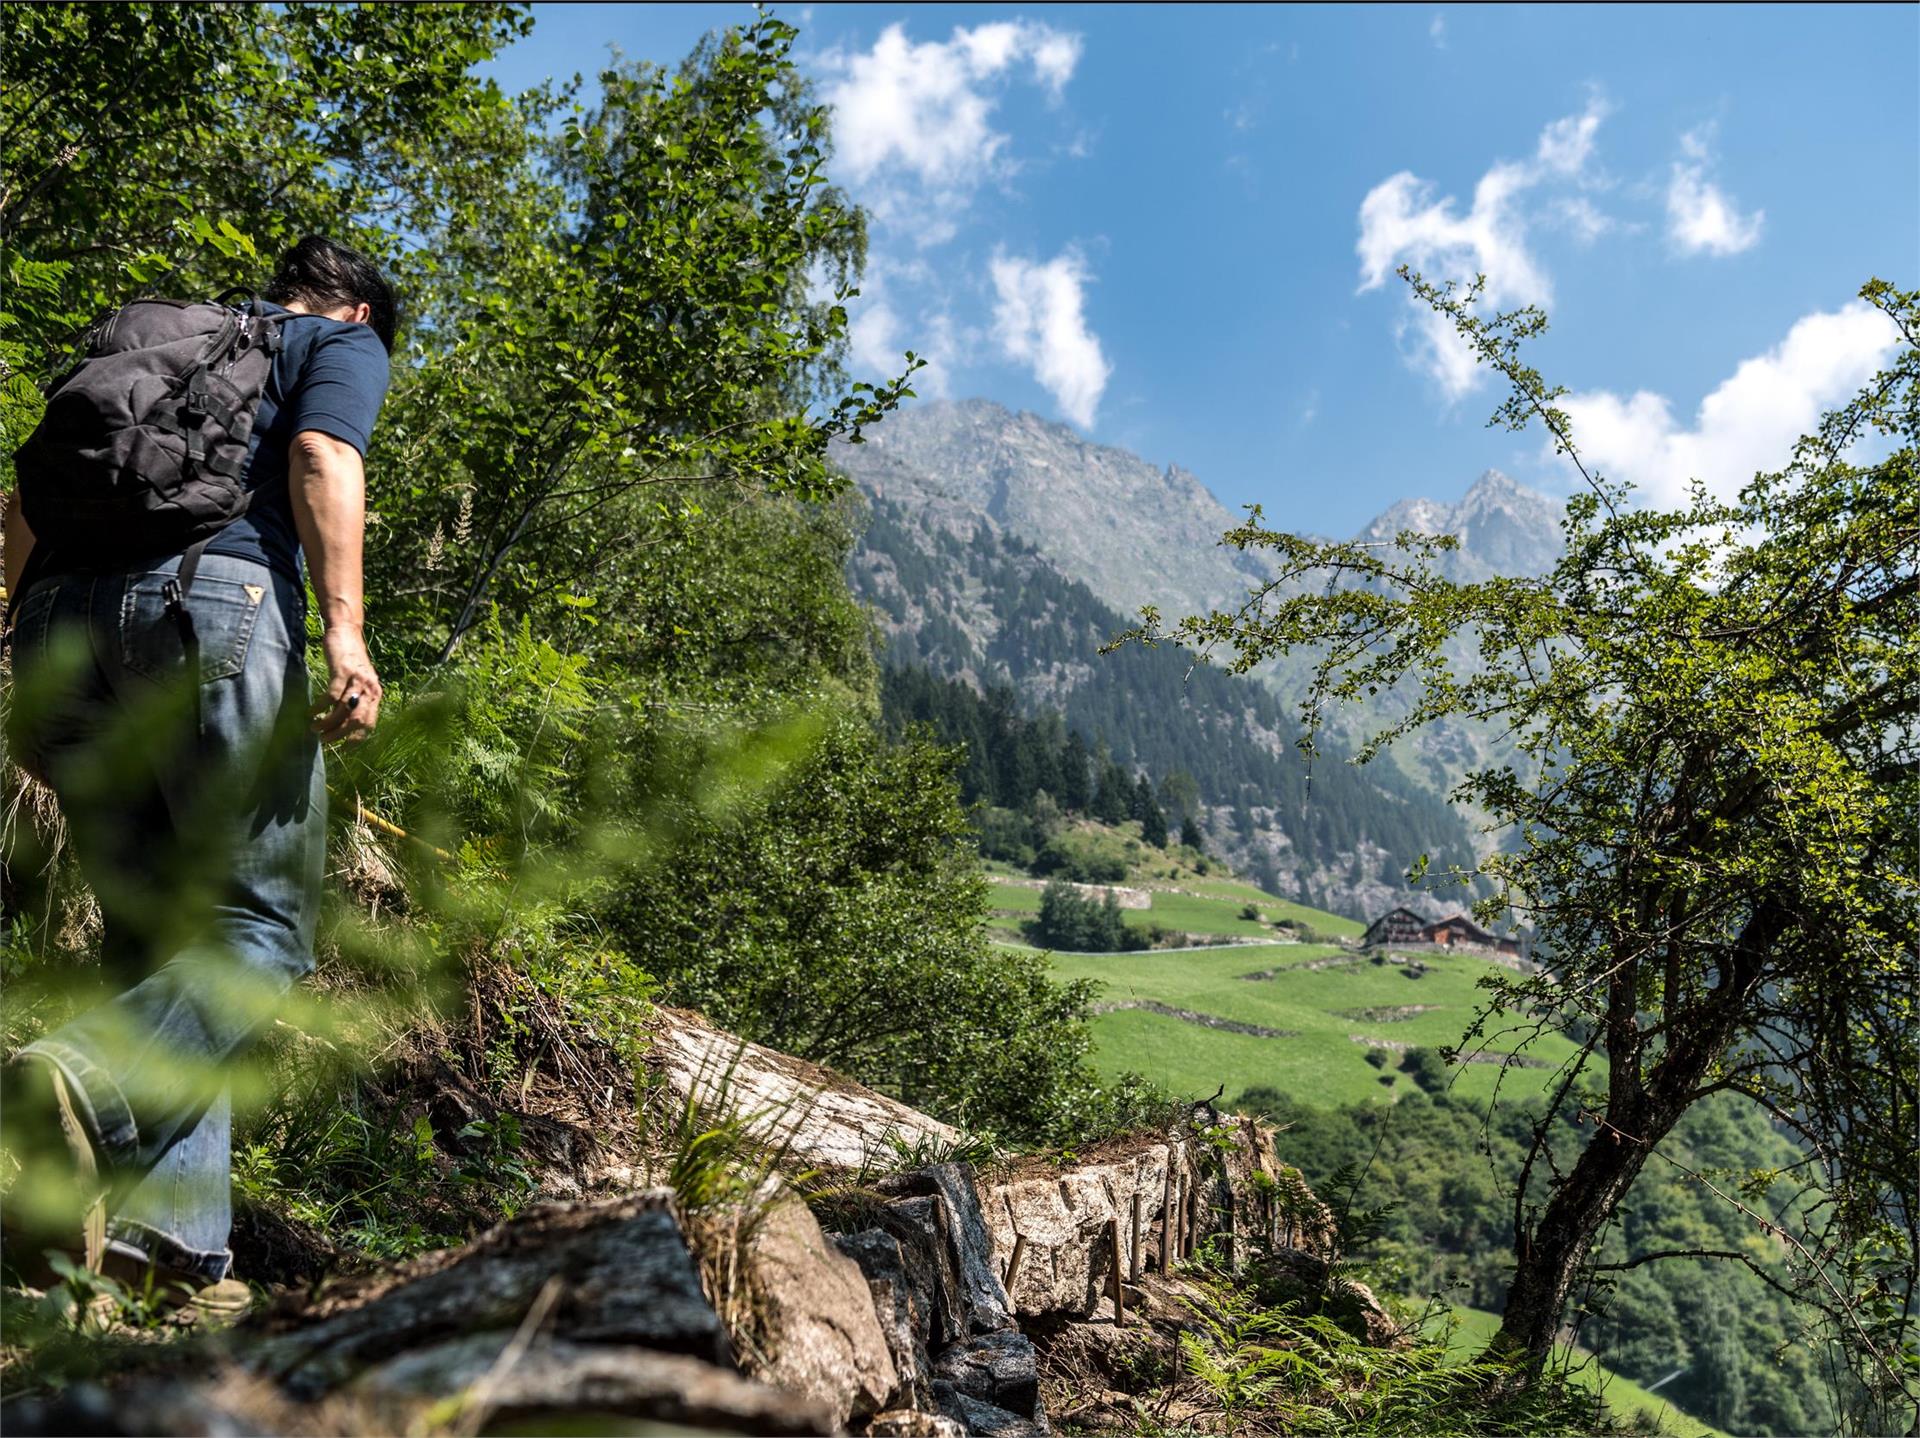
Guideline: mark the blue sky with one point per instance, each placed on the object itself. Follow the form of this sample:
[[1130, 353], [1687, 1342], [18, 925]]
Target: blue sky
[[1165, 225]]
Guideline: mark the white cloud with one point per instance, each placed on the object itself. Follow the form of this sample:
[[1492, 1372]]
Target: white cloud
[[1437, 30], [913, 121], [873, 338], [905, 305], [1401, 220], [1040, 321], [1567, 144], [1701, 217], [1579, 214], [1748, 424]]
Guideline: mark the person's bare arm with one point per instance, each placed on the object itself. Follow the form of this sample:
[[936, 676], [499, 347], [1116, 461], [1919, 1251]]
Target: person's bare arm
[[19, 541], [328, 484]]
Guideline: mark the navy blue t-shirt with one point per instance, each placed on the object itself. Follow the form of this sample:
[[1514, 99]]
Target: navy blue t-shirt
[[329, 376]]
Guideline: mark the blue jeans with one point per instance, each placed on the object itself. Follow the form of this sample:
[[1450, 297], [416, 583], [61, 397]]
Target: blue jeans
[[196, 807]]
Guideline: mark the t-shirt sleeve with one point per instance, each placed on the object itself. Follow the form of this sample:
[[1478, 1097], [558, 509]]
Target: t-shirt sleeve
[[341, 385]]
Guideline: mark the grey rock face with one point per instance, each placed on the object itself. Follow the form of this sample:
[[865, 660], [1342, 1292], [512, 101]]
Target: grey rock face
[[987, 1308], [1062, 1223], [1133, 531], [983, 1420], [1503, 527], [622, 1269], [903, 1306], [555, 1379], [922, 1228], [996, 1368]]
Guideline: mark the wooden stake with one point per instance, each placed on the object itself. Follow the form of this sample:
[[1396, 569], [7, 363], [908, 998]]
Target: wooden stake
[[1166, 1218], [1190, 1220], [1137, 1250], [1174, 1220], [1013, 1263], [1119, 1297]]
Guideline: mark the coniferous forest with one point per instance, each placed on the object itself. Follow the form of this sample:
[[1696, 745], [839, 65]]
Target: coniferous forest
[[1224, 742]]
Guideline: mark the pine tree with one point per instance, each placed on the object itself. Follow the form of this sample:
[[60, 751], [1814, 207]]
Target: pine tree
[[1076, 787], [1114, 802], [1190, 834], [1153, 820]]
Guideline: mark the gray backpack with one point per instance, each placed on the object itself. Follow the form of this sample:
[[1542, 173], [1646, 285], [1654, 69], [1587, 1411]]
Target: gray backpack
[[142, 452]]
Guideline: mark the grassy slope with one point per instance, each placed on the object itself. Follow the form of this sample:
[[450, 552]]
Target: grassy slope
[[1625, 1397], [1324, 1007], [1194, 906]]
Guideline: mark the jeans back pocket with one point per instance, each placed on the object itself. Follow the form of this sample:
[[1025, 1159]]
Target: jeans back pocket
[[222, 611], [30, 619]]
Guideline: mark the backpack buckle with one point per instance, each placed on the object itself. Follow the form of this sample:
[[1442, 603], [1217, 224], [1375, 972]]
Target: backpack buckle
[[170, 592]]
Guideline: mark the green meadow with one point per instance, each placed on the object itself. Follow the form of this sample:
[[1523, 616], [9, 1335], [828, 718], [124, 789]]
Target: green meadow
[[1204, 907], [1332, 1003]]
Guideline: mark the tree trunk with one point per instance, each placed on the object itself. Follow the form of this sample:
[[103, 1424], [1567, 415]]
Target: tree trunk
[[1551, 1256], [1640, 1113]]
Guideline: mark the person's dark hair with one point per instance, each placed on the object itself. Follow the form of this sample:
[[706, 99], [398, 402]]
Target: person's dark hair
[[323, 276]]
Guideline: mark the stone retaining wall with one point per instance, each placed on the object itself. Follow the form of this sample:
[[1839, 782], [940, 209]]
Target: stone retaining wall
[[908, 1324]]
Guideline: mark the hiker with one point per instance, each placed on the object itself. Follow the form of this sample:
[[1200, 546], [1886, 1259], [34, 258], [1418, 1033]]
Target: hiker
[[195, 801]]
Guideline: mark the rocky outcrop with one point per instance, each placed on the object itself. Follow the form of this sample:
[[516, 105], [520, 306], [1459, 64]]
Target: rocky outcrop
[[915, 1318], [827, 1338], [1061, 1235], [823, 1119], [617, 1273], [929, 1262]]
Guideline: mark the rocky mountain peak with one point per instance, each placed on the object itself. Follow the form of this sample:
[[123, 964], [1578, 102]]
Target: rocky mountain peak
[[1504, 527], [1132, 531]]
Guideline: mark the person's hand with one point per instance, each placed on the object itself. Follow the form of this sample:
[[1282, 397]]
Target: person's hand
[[352, 705]]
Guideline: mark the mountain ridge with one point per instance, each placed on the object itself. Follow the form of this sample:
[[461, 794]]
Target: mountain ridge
[[1005, 549], [1136, 532], [1061, 493]]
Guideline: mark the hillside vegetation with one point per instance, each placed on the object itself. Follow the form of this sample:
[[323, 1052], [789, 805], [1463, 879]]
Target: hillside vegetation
[[993, 648], [1351, 1066]]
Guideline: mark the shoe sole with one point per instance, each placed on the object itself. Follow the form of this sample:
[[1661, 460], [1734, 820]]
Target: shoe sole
[[93, 1223], [34, 1270]]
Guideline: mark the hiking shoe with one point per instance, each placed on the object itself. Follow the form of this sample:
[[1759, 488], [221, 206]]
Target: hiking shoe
[[182, 1298], [218, 1305], [57, 1197]]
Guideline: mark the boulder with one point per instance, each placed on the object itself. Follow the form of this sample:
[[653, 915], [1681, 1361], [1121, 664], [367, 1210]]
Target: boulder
[[921, 1227], [996, 1368], [611, 1272], [824, 1335], [1135, 1359], [983, 1420], [1309, 1283], [1062, 1224], [555, 1385], [821, 1119], [980, 1295], [901, 1305]]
